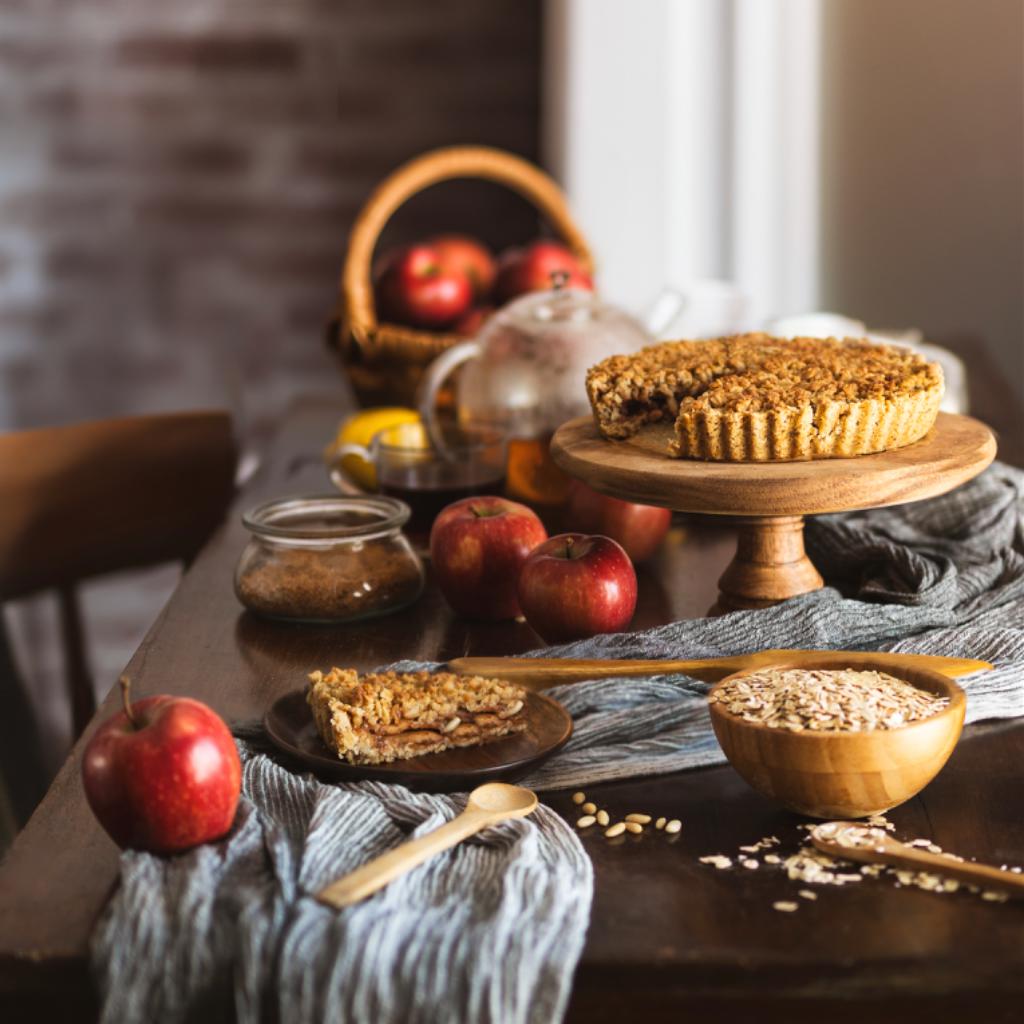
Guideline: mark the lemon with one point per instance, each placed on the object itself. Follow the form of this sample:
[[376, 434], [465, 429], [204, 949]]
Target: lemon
[[361, 428]]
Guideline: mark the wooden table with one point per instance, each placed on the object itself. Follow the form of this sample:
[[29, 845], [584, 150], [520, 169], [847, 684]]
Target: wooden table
[[668, 936]]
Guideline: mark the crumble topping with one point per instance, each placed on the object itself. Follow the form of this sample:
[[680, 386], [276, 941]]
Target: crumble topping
[[829, 396]]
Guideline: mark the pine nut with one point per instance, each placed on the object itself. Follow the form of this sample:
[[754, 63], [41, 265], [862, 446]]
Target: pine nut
[[578, 798], [589, 808], [635, 827], [673, 826], [515, 709], [586, 821], [640, 819], [616, 830], [602, 818], [452, 724], [660, 823]]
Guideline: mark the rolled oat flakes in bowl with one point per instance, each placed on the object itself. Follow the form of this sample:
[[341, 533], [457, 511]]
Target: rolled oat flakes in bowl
[[829, 740], [826, 700]]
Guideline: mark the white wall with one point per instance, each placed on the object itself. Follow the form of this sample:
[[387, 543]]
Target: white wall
[[923, 167], [685, 133], [863, 156]]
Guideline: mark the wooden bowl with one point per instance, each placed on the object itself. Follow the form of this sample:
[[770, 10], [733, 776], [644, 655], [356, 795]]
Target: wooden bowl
[[844, 774]]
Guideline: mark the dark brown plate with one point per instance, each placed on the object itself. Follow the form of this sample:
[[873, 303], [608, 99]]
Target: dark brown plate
[[289, 724]]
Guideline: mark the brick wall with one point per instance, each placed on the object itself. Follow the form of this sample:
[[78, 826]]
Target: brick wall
[[176, 182]]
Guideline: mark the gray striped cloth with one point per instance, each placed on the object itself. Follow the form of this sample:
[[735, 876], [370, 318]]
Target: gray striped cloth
[[492, 931]]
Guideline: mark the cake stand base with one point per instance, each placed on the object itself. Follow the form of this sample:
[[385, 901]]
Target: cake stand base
[[770, 564]]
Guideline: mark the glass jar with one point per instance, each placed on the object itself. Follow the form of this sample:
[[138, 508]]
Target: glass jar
[[328, 559]]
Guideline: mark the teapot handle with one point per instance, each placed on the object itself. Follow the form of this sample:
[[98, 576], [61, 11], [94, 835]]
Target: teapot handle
[[437, 373]]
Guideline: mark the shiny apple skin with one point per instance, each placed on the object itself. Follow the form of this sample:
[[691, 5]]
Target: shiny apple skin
[[466, 255], [640, 529], [574, 586], [529, 269], [167, 785], [414, 288], [477, 547]]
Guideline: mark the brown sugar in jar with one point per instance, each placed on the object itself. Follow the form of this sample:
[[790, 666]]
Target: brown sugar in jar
[[328, 559]]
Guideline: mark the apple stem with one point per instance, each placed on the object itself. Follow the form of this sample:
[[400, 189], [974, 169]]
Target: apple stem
[[126, 685]]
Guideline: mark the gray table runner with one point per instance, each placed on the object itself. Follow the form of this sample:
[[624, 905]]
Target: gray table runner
[[491, 931]]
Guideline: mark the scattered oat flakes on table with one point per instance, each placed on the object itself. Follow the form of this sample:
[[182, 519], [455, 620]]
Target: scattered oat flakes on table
[[717, 860]]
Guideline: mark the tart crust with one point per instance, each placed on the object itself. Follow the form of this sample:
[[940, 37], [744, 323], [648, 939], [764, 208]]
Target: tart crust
[[755, 398], [390, 716]]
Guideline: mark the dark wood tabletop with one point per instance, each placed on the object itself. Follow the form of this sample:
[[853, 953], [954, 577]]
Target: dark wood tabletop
[[668, 936]]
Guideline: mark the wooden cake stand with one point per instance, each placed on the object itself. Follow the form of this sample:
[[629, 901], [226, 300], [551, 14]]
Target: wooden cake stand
[[767, 501]]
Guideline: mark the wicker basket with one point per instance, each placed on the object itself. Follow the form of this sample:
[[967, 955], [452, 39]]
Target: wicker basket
[[386, 361]]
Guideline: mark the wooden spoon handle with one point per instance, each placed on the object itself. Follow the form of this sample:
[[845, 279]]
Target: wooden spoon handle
[[538, 673], [984, 875], [900, 855], [375, 874]]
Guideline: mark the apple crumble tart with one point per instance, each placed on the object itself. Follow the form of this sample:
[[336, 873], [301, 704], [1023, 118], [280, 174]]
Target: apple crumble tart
[[389, 716], [755, 398]]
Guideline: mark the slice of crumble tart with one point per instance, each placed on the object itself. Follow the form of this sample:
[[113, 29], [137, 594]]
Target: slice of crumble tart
[[390, 716]]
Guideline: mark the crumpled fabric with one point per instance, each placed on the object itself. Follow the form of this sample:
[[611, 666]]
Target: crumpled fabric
[[492, 930]]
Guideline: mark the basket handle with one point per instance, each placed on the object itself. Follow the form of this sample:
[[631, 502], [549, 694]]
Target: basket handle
[[358, 309]]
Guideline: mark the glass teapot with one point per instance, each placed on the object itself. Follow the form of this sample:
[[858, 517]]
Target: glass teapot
[[524, 374]]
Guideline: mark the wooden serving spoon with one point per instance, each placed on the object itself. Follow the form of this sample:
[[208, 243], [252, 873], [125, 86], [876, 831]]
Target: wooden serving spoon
[[538, 673], [487, 805], [883, 849]]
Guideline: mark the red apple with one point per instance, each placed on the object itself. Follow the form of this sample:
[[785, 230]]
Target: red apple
[[530, 269], [477, 546], [575, 585], [163, 774], [413, 288], [468, 256], [471, 323], [638, 528]]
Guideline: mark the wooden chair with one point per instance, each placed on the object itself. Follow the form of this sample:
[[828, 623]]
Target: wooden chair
[[91, 499]]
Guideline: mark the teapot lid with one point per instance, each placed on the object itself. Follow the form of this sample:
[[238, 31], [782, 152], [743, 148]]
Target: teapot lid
[[561, 306]]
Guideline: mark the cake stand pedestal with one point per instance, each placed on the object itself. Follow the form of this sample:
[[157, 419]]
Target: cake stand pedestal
[[768, 500]]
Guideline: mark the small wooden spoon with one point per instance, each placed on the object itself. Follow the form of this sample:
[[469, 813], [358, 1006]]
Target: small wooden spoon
[[487, 805], [847, 840]]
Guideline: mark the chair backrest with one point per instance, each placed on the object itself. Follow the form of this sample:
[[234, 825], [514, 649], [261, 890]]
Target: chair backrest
[[88, 499], [98, 497]]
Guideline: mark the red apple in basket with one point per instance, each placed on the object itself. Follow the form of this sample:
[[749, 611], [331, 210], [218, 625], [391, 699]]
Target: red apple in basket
[[640, 529], [477, 547], [575, 585], [414, 287], [467, 256], [529, 270], [163, 774]]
